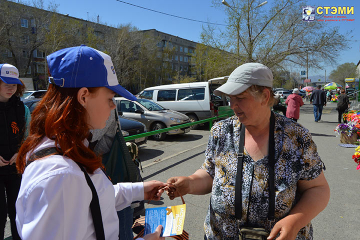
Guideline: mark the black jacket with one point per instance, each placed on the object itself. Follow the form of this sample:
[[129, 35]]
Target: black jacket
[[318, 97], [343, 102], [12, 128]]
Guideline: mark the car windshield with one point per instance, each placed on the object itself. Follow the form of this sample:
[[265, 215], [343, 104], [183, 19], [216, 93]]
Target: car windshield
[[26, 94], [150, 105]]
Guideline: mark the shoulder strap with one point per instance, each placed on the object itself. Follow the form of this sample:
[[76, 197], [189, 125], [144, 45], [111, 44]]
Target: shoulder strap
[[94, 204], [94, 207], [271, 156], [271, 214], [238, 183]]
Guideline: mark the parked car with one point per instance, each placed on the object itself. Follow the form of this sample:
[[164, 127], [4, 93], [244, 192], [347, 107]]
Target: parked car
[[31, 103], [302, 93], [153, 115], [283, 93], [33, 94], [195, 100], [129, 127], [133, 127]]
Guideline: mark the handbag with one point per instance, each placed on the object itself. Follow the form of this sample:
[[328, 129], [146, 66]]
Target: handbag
[[118, 163], [251, 233]]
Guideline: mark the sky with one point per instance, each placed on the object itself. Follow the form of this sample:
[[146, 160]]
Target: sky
[[114, 13]]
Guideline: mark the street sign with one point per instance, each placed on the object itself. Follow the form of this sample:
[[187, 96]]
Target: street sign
[[303, 72], [307, 80]]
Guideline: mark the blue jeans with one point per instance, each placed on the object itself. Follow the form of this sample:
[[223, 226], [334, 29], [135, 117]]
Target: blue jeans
[[317, 112], [125, 223]]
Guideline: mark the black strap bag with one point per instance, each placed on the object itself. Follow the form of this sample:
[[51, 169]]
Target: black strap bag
[[249, 232]]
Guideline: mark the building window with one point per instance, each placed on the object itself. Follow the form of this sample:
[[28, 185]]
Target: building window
[[8, 53], [186, 59], [24, 23], [29, 70], [38, 54], [186, 50], [176, 58], [33, 23], [40, 68], [190, 50], [181, 58], [25, 39], [181, 68], [181, 49]]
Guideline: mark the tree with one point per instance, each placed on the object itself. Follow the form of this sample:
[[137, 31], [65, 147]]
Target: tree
[[346, 70], [136, 58], [276, 35], [209, 62]]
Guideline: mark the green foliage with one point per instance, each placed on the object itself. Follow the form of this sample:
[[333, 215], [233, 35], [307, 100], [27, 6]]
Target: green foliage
[[209, 62], [346, 70]]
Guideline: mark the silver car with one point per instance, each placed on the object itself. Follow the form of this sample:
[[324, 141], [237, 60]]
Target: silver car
[[153, 115]]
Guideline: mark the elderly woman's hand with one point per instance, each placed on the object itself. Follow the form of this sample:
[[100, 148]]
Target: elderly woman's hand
[[287, 229], [178, 186]]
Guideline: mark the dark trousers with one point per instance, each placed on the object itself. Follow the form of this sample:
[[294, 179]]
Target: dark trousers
[[318, 112], [11, 184], [340, 113], [295, 120], [125, 224]]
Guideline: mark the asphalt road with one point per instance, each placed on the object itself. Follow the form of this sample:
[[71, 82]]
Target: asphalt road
[[181, 155]]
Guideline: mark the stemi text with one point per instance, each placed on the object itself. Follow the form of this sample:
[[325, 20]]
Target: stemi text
[[335, 10]]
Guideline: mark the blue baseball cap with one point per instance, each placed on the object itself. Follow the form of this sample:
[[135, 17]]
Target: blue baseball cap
[[83, 66], [9, 74]]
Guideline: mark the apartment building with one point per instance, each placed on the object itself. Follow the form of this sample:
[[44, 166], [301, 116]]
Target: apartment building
[[180, 57]]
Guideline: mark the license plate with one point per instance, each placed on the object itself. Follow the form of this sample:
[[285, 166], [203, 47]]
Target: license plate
[[139, 139]]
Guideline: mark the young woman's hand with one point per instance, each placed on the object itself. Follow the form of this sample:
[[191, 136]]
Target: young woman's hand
[[153, 190], [155, 235], [3, 162], [13, 159]]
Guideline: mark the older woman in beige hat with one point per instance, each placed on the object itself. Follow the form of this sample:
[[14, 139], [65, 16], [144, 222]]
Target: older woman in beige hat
[[262, 169]]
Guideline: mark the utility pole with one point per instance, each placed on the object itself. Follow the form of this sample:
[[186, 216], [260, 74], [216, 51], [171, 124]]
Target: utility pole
[[307, 64], [325, 76]]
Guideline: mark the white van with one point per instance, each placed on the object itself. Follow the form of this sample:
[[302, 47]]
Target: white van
[[196, 99]]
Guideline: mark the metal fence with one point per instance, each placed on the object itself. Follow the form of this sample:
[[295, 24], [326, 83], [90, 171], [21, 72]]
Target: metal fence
[[223, 112]]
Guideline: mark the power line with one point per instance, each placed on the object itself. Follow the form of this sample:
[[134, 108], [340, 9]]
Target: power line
[[189, 19]]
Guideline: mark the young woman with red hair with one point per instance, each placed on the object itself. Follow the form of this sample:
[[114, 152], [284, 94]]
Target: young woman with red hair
[[62, 177]]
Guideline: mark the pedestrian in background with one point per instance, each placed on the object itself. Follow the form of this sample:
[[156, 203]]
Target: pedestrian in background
[[278, 106], [294, 102], [64, 193], [342, 105], [14, 119], [318, 100]]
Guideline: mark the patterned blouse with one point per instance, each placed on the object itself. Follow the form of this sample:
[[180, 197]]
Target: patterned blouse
[[296, 159]]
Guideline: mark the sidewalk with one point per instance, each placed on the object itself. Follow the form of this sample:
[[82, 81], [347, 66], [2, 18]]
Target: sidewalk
[[341, 218]]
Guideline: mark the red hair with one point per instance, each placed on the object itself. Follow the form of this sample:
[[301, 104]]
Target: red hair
[[60, 117]]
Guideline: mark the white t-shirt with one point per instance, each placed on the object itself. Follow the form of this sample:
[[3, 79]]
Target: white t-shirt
[[54, 200]]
